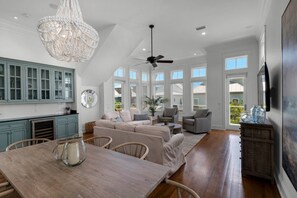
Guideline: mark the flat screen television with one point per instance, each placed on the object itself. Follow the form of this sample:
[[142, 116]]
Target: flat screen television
[[264, 88]]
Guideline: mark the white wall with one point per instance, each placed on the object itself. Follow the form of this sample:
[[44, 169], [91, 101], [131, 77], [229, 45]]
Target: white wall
[[216, 75], [274, 62]]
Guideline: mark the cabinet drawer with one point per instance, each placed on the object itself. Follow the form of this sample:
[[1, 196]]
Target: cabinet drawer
[[13, 125], [256, 133]]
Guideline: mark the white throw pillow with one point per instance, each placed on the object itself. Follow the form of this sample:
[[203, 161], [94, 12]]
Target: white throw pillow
[[134, 111], [126, 116], [110, 115]]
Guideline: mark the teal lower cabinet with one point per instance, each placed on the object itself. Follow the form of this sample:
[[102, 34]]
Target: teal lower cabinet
[[66, 126], [13, 131]]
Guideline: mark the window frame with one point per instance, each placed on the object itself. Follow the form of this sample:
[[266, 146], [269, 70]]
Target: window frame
[[172, 73], [200, 67], [119, 76], [236, 58]]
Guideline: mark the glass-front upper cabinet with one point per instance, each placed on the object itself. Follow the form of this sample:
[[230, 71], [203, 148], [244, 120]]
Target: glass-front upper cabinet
[[15, 82], [45, 81], [3, 96], [32, 83], [58, 89], [68, 85]]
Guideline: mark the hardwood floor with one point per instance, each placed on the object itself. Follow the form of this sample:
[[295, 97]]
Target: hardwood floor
[[213, 170]]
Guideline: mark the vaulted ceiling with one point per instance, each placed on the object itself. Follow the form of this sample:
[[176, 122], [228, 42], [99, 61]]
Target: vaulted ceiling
[[175, 20]]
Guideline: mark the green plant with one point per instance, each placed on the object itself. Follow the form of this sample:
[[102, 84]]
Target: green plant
[[118, 106], [153, 103], [235, 110]]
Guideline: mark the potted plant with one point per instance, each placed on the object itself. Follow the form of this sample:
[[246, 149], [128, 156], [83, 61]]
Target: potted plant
[[153, 103]]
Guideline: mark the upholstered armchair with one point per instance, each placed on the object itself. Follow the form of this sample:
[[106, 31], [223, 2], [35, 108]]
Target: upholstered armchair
[[169, 115], [198, 123]]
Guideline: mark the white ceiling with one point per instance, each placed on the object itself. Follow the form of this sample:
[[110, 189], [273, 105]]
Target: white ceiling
[[175, 21]]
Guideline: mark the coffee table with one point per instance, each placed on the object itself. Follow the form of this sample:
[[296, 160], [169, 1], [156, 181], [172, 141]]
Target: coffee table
[[174, 127]]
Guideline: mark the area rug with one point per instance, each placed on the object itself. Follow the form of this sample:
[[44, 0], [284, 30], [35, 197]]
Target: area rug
[[190, 141]]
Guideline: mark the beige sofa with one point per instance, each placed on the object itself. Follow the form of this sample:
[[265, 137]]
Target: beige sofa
[[164, 148], [128, 116]]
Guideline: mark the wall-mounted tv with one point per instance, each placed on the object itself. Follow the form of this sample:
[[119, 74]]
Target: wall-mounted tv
[[264, 88]]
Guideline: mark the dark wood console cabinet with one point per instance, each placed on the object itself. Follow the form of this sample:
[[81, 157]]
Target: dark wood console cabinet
[[257, 152]]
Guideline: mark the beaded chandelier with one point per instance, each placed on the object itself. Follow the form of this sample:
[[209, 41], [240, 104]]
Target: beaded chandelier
[[66, 36]]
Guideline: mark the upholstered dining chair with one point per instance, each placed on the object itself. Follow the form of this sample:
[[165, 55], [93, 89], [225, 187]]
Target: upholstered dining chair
[[135, 149], [27, 142], [169, 115], [101, 141], [182, 190]]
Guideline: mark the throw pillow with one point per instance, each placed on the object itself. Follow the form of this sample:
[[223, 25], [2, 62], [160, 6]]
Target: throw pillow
[[201, 113], [126, 116], [141, 117], [169, 112], [117, 119]]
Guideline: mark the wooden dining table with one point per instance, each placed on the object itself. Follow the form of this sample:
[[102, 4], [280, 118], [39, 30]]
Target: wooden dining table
[[34, 172]]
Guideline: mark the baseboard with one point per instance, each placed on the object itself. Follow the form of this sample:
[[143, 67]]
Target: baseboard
[[217, 127]]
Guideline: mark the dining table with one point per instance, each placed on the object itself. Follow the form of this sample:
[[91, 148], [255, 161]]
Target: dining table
[[34, 173]]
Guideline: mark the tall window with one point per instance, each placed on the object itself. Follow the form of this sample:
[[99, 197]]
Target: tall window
[[159, 76], [144, 94], [118, 96], [198, 95], [133, 75], [159, 92], [198, 72], [144, 77], [239, 62], [177, 95], [119, 72], [177, 75], [133, 96]]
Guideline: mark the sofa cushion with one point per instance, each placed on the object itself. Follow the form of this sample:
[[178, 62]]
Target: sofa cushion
[[201, 113], [189, 121], [126, 116], [110, 115], [117, 119], [161, 131], [141, 117], [105, 123], [140, 122], [124, 126], [134, 111], [169, 112]]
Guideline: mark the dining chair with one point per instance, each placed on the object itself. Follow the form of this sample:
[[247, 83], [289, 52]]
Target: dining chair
[[101, 141], [135, 149], [182, 190], [24, 143], [5, 189]]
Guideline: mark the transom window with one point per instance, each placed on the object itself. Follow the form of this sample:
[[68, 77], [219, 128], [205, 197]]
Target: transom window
[[144, 76], [119, 72], [179, 74], [198, 72], [159, 76], [133, 74], [239, 62]]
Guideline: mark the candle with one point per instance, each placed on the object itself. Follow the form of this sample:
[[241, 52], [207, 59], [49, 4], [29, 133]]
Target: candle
[[73, 153]]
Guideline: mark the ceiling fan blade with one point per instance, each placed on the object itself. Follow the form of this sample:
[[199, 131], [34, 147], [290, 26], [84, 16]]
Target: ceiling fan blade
[[159, 57], [164, 61], [154, 64]]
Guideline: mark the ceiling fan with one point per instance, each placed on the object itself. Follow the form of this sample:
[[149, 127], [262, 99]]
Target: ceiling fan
[[155, 59]]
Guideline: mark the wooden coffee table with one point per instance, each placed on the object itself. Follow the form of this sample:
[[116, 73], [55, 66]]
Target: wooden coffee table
[[174, 128]]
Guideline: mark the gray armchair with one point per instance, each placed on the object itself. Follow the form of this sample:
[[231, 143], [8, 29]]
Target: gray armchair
[[169, 115], [198, 123]]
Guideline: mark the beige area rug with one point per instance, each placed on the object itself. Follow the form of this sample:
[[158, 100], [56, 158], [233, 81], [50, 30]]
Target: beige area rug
[[190, 141]]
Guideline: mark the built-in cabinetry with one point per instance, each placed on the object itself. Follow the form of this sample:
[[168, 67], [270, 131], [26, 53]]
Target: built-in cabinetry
[[26, 82], [66, 126], [257, 156], [15, 130]]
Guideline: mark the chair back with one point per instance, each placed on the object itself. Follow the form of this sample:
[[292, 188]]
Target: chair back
[[135, 149], [27, 142], [182, 190], [101, 141]]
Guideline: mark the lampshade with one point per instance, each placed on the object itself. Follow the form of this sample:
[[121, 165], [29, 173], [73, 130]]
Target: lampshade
[[66, 36]]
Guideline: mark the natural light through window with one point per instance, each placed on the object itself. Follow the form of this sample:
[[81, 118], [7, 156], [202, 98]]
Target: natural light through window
[[198, 96], [133, 74], [199, 72], [144, 76], [177, 75], [119, 72], [159, 76], [239, 62]]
